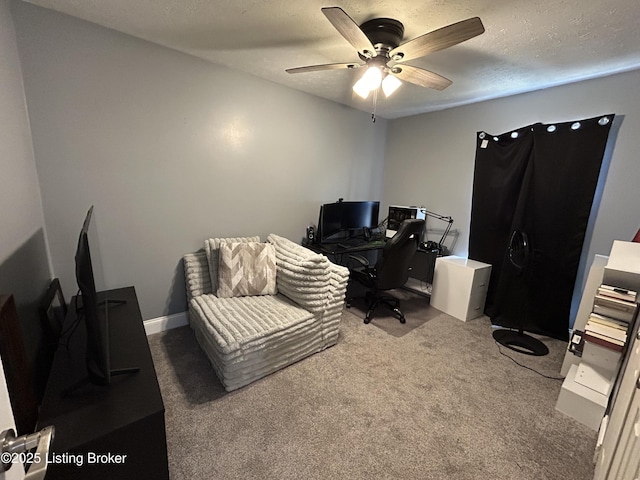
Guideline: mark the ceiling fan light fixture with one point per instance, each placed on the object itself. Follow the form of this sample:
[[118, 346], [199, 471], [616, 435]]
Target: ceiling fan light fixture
[[372, 78], [390, 84], [361, 89], [369, 82]]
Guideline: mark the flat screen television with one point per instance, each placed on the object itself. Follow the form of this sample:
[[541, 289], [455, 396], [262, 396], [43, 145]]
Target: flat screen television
[[340, 219], [96, 322], [94, 313]]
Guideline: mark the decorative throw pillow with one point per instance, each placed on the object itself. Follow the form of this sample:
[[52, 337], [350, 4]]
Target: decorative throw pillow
[[211, 247], [246, 269]]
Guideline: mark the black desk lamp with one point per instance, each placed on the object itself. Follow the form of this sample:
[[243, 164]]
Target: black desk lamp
[[447, 219]]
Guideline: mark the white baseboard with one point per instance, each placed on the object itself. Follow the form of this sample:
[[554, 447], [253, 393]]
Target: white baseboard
[[160, 324]]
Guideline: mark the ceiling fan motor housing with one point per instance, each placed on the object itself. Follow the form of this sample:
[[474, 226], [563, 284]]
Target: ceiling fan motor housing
[[385, 33]]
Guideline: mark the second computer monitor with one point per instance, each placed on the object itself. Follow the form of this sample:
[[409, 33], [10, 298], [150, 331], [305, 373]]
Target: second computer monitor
[[397, 214]]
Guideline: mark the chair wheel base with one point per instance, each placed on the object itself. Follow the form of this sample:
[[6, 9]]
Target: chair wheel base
[[374, 301], [400, 315]]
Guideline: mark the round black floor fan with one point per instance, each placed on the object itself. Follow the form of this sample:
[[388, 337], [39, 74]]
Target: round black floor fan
[[520, 258]]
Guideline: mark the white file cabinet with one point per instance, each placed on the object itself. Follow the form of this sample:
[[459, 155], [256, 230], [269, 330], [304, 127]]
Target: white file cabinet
[[460, 286]]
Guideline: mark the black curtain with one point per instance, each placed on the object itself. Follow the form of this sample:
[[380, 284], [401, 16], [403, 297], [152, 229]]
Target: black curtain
[[541, 180]]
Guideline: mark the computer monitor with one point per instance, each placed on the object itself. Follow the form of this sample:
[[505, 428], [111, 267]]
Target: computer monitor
[[338, 220], [397, 214]]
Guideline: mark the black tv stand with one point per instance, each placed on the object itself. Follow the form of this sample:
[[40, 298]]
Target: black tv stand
[[85, 382], [125, 417], [111, 301], [124, 371]]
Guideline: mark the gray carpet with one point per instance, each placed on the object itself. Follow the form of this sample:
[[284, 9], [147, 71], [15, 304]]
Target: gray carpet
[[431, 399]]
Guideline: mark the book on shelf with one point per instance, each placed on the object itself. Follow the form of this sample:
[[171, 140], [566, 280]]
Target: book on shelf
[[603, 341], [609, 322], [614, 308], [618, 292], [614, 333]]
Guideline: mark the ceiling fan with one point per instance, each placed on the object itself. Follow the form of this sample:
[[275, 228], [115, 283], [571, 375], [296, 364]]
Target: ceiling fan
[[379, 46]]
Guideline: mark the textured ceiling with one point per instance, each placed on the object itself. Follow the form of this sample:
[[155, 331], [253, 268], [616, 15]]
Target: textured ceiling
[[527, 45]]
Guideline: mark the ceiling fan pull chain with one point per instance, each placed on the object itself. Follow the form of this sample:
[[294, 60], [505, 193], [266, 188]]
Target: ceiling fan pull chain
[[375, 104]]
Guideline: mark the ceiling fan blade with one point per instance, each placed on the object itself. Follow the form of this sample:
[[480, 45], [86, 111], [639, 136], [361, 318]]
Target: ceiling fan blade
[[438, 40], [328, 66], [421, 77], [349, 30]]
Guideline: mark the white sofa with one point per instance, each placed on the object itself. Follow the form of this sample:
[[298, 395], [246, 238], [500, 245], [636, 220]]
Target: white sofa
[[249, 337]]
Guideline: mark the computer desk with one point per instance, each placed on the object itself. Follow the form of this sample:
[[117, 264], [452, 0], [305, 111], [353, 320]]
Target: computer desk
[[341, 248], [422, 267], [336, 251]]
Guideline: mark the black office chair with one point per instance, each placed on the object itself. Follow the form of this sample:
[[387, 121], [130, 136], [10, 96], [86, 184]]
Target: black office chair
[[391, 270]]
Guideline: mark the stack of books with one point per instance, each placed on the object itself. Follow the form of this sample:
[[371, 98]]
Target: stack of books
[[605, 336], [605, 303], [614, 309], [606, 332], [610, 291]]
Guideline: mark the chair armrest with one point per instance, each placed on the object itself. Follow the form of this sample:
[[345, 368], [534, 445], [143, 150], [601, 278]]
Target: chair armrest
[[367, 270], [360, 259]]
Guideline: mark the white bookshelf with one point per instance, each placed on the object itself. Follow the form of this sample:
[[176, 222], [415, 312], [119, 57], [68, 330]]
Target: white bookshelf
[[590, 378]]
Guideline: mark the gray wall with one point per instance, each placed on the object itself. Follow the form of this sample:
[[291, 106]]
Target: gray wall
[[24, 264], [430, 157], [172, 150], [21, 214]]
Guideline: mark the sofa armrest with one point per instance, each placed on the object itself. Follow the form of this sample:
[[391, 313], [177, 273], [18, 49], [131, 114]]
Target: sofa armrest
[[338, 279], [308, 278], [196, 274]]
